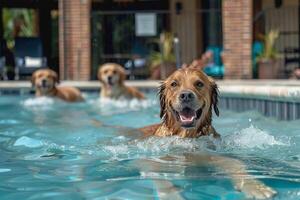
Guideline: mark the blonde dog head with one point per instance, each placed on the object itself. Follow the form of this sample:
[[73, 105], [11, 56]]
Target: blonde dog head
[[187, 98], [44, 80], [111, 74]]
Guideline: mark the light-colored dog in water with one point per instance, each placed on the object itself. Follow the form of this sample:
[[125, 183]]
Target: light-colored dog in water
[[45, 83], [112, 77], [187, 99]]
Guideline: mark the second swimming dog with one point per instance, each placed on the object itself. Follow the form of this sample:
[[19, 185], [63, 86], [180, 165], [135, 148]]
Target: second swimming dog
[[112, 77]]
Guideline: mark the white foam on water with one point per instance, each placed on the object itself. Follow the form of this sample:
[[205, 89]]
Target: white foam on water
[[112, 106], [85, 95], [157, 146], [28, 142], [116, 150], [165, 144], [252, 137], [42, 103]]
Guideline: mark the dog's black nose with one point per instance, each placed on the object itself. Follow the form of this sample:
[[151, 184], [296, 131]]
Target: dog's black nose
[[109, 78], [186, 96], [44, 82]]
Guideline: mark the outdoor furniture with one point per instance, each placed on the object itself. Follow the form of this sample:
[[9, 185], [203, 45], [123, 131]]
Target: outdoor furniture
[[28, 56], [3, 73], [291, 57], [215, 68], [257, 49], [2, 68], [135, 67]]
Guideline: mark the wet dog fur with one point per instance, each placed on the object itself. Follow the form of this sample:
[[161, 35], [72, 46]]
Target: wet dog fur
[[45, 82], [187, 100], [112, 77]]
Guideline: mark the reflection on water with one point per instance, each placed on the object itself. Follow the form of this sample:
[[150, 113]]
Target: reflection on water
[[52, 149]]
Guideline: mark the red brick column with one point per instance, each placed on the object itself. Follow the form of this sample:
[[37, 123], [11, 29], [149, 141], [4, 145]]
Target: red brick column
[[237, 38], [74, 39]]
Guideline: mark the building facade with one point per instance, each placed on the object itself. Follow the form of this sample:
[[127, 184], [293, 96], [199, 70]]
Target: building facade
[[196, 23], [91, 32]]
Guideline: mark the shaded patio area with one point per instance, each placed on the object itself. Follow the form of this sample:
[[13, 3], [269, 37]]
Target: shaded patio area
[[44, 25]]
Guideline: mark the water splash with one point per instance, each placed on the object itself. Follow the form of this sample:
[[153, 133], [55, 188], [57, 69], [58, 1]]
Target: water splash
[[38, 103], [28, 142], [111, 106], [252, 137], [158, 146]]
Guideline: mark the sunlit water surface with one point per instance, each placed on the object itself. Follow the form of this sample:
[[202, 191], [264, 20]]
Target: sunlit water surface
[[53, 150]]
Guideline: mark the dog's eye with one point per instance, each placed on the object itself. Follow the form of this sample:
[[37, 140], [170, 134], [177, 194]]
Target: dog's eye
[[174, 84], [106, 71], [199, 84], [114, 72]]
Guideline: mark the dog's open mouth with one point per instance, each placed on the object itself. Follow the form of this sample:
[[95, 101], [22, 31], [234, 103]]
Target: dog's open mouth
[[110, 83], [187, 116], [44, 86]]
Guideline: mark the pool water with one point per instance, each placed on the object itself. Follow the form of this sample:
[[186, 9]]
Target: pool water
[[54, 150]]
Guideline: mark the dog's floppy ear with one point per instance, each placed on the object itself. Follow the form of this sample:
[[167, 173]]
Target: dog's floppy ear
[[33, 77], [99, 74], [214, 96], [55, 77], [162, 99], [122, 75]]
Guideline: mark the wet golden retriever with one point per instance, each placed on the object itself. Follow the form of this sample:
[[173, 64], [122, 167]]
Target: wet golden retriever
[[112, 77], [45, 83], [187, 99]]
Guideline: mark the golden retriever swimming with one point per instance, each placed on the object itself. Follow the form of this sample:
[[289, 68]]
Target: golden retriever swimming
[[187, 99], [45, 83], [112, 77]]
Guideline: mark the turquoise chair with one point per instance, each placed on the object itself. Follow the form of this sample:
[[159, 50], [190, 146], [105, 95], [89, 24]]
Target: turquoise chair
[[257, 49], [215, 69]]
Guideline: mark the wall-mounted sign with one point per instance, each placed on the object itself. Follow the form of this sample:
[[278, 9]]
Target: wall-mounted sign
[[145, 24]]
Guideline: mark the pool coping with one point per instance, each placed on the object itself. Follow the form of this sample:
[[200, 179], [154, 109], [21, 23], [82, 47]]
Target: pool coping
[[273, 98], [259, 88]]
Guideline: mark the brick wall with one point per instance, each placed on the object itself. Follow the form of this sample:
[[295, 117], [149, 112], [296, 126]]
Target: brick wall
[[237, 38], [74, 39]]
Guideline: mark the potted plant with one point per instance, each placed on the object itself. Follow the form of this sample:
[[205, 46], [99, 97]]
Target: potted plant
[[162, 63], [268, 63]]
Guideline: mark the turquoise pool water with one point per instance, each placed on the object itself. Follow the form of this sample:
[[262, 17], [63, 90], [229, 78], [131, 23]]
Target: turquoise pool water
[[53, 150]]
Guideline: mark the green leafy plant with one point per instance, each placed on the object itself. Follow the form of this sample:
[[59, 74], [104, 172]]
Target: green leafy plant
[[269, 51], [165, 55], [24, 17]]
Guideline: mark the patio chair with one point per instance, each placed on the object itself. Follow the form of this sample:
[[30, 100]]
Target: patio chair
[[137, 65], [2, 68], [257, 49], [291, 59], [28, 56]]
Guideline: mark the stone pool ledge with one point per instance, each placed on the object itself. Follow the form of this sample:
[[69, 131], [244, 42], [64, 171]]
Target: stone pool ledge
[[273, 98], [285, 90], [82, 85], [260, 88]]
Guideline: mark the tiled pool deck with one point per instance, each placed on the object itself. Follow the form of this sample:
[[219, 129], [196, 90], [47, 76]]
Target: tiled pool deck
[[275, 98]]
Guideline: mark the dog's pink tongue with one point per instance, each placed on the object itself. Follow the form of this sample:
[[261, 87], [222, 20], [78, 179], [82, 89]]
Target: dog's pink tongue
[[187, 115]]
